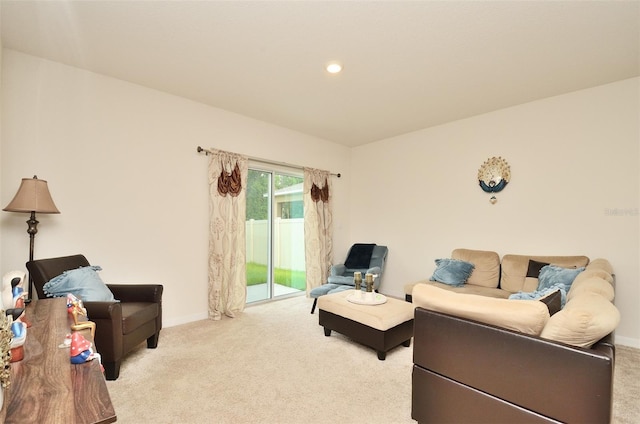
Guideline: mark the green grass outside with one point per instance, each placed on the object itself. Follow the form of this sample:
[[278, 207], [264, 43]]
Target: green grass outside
[[257, 274]]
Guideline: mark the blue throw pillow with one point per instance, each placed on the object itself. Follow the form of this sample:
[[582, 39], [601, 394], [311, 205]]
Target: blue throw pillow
[[84, 283], [452, 271], [552, 276]]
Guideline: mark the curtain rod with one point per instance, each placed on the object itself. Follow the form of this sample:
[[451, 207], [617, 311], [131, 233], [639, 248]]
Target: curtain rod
[[271, 162]]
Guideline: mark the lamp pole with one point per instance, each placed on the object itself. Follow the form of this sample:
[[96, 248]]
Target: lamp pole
[[32, 230]]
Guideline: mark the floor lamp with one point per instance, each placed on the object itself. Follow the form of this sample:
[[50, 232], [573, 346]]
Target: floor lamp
[[32, 196]]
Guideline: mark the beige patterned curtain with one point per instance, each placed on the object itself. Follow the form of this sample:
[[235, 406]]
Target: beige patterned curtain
[[227, 243], [318, 226]]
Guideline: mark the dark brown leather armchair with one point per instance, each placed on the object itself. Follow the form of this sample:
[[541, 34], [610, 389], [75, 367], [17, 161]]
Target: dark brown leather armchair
[[120, 326]]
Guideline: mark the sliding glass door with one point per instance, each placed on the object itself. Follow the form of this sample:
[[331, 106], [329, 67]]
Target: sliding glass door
[[275, 234]]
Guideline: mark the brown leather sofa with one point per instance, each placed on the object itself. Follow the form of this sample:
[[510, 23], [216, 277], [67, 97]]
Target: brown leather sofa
[[469, 372], [120, 325]]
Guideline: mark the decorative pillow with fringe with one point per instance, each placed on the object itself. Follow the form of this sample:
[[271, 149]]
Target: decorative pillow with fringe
[[83, 282], [452, 271]]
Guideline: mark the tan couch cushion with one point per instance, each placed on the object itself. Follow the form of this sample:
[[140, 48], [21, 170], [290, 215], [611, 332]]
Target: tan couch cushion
[[526, 316], [590, 272], [514, 269], [591, 285], [584, 320], [530, 284], [487, 266], [603, 264], [486, 272], [470, 289], [408, 288]]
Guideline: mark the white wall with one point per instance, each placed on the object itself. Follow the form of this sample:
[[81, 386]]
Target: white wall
[[573, 159], [122, 167], [121, 164]]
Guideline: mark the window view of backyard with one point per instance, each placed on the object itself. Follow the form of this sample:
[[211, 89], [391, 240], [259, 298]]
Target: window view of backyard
[[275, 235]]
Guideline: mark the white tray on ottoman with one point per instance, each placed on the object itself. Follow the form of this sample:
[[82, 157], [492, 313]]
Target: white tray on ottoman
[[381, 326], [362, 298]]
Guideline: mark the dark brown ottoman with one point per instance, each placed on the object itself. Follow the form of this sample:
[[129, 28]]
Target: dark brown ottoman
[[381, 327]]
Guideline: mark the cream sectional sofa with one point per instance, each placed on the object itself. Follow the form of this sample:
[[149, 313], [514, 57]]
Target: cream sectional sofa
[[514, 360], [484, 296], [495, 278]]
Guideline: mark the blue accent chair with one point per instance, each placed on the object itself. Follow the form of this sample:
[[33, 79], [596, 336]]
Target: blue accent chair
[[341, 276]]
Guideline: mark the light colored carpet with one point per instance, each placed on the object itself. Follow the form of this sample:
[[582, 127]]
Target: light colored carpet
[[273, 364], [626, 386]]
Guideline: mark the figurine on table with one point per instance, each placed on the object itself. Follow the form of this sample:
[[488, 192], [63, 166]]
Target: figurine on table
[[81, 350], [13, 295], [76, 308], [12, 301], [9, 280], [19, 330]]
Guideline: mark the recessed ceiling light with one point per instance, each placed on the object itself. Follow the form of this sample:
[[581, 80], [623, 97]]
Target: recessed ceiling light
[[334, 67]]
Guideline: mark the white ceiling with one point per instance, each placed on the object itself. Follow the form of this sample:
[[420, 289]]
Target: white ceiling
[[408, 65]]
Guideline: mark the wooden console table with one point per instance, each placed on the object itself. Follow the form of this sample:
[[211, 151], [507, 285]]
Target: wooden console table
[[45, 386]]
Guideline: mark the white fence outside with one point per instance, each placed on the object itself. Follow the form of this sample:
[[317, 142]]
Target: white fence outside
[[288, 243]]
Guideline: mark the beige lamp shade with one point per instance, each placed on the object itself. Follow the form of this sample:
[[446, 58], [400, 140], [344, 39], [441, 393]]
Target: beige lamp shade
[[32, 196]]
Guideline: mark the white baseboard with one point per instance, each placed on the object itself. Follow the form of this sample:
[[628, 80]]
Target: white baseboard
[[184, 320], [627, 341]]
